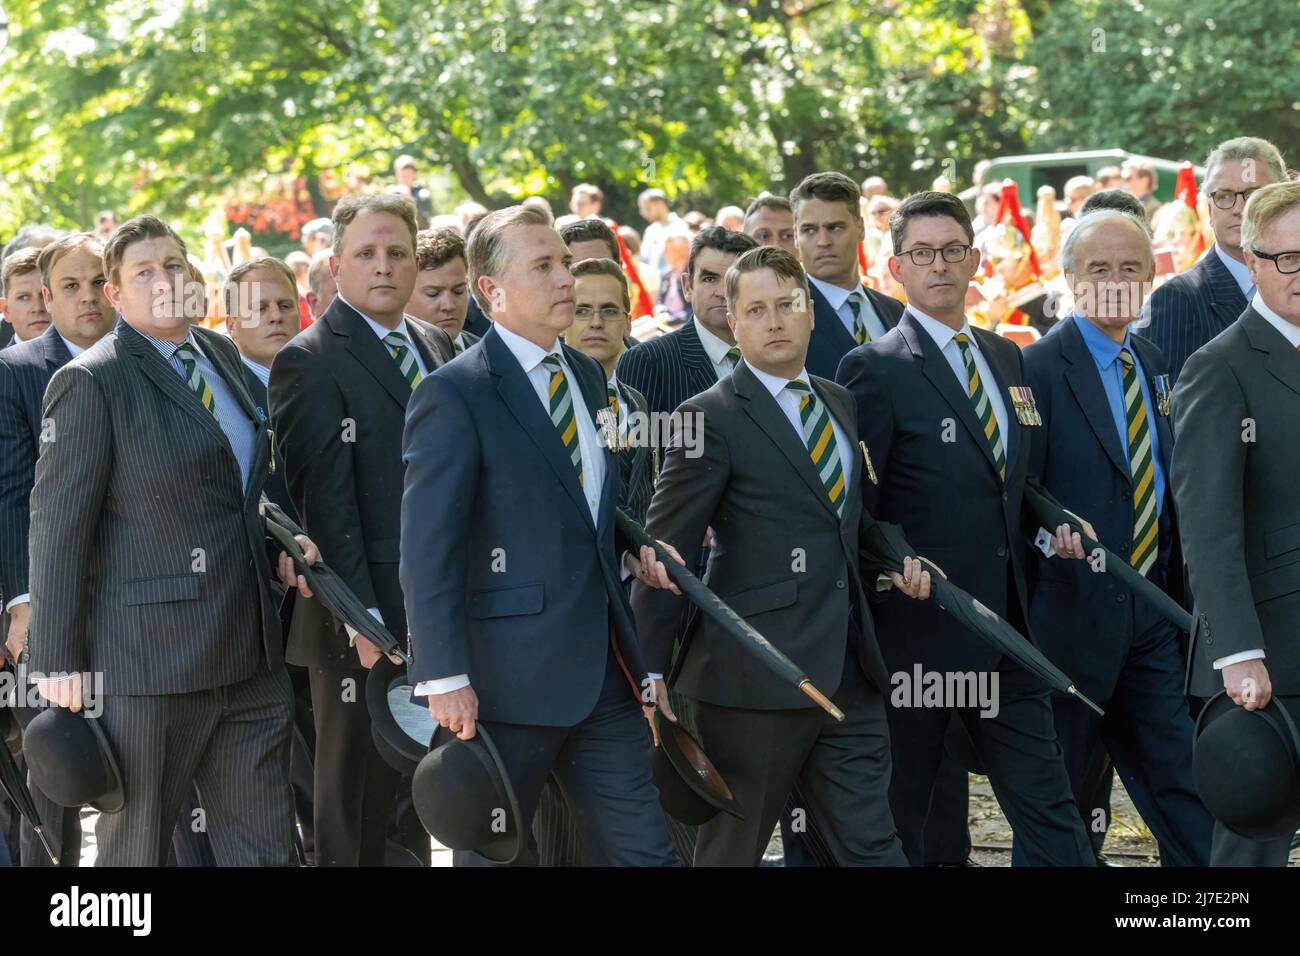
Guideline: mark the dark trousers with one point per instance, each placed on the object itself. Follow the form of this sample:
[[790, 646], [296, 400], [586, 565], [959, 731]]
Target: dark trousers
[[947, 824], [841, 771], [61, 826], [601, 768], [1018, 748], [232, 742], [1148, 735]]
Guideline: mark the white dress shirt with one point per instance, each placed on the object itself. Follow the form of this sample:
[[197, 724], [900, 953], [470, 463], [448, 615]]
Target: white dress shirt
[[402, 329], [789, 400], [72, 347], [530, 355], [838, 299], [715, 348], [945, 338], [1238, 270], [1291, 333]]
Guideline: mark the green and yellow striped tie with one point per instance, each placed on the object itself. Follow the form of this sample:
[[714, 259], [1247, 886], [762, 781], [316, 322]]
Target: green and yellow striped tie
[[733, 356], [404, 357], [562, 415], [860, 333], [195, 378], [1142, 470], [819, 436], [983, 406]]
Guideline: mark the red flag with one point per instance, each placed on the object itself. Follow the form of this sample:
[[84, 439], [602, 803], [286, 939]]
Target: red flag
[[1009, 212]]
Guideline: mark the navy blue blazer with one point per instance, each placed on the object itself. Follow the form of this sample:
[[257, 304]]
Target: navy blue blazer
[[1079, 617], [505, 576], [1191, 308], [936, 478], [475, 321], [668, 370], [25, 371], [831, 341]]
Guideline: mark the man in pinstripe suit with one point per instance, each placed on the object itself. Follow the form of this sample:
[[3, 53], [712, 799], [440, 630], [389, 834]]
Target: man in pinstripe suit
[[150, 568], [1195, 306]]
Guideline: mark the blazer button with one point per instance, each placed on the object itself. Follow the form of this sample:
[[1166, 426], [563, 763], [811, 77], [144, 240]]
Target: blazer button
[[1002, 551], [1121, 598], [1004, 496], [840, 585], [1124, 495], [1209, 640]]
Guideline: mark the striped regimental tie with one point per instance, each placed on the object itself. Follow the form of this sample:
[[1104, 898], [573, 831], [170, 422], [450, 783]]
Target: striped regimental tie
[[189, 361], [860, 333], [562, 414], [733, 356], [1142, 469], [819, 436], [404, 357], [983, 407]]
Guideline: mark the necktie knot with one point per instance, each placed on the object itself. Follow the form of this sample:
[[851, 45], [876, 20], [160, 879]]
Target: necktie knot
[[961, 339], [1126, 357], [733, 355], [552, 363], [400, 347]]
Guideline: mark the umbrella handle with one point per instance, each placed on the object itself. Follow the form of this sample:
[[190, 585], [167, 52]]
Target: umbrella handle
[[822, 700]]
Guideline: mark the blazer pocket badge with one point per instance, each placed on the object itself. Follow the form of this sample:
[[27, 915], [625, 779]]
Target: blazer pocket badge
[[1022, 399], [1160, 385], [866, 459]]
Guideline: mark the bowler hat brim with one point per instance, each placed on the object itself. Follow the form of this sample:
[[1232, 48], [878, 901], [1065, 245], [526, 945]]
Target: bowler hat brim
[[679, 759], [402, 728], [506, 846]]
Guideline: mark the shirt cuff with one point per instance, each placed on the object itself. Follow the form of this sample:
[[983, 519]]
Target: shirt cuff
[[625, 571], [442, 685], [655, 676], [20, 599], [1222, 662], [352, 631]]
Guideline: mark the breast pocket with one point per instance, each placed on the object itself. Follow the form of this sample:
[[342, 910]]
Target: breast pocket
[[162, 590], [507, 602], [1281, 541], [769, 597]]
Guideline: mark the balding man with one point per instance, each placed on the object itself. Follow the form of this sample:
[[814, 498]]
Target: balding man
[[1104, 449], [1195, 306]]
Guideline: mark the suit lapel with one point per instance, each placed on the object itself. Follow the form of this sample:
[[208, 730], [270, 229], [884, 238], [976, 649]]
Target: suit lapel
[[1283, 361], [1085, 383], [56, 352], [936, 368], [702, 373], [828, 322], [1227, 301], [428, 347], [771, 420], [368, 350]]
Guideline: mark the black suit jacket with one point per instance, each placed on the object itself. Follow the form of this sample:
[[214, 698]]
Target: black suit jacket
[[338, 401], [1237, 418], [1079, 617], [6, 333], [831, 341], [1191, 308], [475, 320], [938, 481], [636, 464], [25, 371], [149, 560], [783, 559], [277, 489], [669, 369], [510, 581]]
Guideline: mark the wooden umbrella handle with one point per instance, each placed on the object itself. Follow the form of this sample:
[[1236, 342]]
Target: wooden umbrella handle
[[821, 699]]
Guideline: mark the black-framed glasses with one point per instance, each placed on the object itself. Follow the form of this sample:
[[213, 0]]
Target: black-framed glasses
[[1287, 263], [1227, 198], [924, 255], [609, 313]]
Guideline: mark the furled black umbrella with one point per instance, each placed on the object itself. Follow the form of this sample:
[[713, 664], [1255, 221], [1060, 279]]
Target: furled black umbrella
[[885, 548], [1052, 514], [698, 593], [328, 587], [15, 787]]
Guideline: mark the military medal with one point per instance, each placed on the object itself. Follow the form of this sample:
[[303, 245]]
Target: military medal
[[1161, 386], [609, 434], [1022, 399], [866, 457]]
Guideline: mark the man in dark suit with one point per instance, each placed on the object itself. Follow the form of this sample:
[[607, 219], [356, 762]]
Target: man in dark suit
[[517, 614], [441, 295], [72, 272], [20, 295], [1237, 414], [828, 227], [778, 480], [1104, 449], [1194, 306], [169, 606], [670, 369], [338, 396], [935, 415]]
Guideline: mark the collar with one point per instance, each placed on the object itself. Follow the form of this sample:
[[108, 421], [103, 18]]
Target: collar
[[833, 294], [1103, 348], [1289, 330], [460, 340], [261, 371], [73, 349], [941, 333], [528, 354], [378, 329], [1239, 272], [167, 348], [714, 347], [775, 384]]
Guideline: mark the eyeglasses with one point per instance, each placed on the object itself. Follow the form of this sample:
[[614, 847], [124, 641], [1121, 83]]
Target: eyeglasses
[[924, 255], [1227, 198], [609, 313], [1287, 263]]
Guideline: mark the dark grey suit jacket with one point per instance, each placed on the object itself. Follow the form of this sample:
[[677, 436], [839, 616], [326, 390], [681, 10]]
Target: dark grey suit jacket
[[1192, 308], [1237, 500], [783, 559], [149, 560]]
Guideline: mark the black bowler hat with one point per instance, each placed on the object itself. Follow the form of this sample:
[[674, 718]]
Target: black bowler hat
[[71, 762], [401, 727], [463, 796], [690, 788], [1247, 768]]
